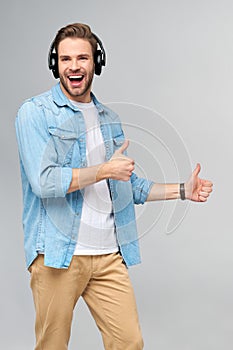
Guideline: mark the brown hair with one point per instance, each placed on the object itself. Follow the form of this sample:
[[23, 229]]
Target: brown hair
[[76, 30]]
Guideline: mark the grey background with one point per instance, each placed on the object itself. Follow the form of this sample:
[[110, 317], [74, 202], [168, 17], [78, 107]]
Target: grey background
[[169, 73]]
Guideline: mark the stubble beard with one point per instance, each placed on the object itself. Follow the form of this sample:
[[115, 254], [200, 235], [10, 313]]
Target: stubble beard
[[81, 91]]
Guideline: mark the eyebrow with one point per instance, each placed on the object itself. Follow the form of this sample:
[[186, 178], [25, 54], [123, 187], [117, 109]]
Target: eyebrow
[[79, 55]]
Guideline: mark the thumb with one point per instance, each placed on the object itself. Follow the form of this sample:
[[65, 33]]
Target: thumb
[[197, 170], [123, 147]]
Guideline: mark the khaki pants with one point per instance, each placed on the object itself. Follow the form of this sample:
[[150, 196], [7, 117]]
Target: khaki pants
[[104, 284]]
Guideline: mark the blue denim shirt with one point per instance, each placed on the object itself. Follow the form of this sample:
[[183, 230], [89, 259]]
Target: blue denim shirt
[[51, 141]]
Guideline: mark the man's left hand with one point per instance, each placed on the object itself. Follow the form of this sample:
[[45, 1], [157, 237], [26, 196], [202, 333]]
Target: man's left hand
[[197, 189]]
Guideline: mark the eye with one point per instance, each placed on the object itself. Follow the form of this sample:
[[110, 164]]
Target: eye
[[83, 58], [65, 58]]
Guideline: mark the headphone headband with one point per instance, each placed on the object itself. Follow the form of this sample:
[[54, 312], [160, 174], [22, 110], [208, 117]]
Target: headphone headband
[[99, 58]]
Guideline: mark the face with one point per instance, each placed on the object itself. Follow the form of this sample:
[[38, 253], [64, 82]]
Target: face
[[76, 68]]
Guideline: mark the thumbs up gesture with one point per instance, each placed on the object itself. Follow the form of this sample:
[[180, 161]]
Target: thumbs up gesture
[[119, 153], [197, 189], [120, 167]]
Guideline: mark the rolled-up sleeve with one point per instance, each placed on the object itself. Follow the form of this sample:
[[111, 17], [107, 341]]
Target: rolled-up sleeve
[[38, 155], [141, 188]]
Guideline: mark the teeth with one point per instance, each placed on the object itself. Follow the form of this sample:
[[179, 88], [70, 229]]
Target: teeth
[[75, 77]]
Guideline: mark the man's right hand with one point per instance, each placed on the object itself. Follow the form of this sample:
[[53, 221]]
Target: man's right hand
[[119, 167]]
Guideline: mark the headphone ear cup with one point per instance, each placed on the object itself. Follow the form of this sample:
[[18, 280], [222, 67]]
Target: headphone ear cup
[[98, 62], [53, 65]]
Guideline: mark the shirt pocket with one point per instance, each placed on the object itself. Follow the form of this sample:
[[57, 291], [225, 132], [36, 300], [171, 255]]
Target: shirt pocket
[[118, 141], [64, 141]]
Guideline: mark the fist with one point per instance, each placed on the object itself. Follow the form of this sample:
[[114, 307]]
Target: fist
[[120, 167]]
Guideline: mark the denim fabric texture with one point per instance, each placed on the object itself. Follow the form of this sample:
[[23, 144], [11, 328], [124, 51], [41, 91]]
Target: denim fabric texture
[[51, 141]]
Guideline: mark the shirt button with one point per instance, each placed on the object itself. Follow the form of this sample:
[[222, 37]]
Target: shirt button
[[77, 214]]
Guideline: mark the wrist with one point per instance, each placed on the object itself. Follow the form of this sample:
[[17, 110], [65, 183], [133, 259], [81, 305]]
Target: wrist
[[182, 191], [103, 172]]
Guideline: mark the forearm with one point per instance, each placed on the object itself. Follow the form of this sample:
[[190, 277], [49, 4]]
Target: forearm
[[82, 177], [164, 192], [117, 168]]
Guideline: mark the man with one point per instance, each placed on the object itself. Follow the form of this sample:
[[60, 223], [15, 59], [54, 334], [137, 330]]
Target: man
[[79, 190]]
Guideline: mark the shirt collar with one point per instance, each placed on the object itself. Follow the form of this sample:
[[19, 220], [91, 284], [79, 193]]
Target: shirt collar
[[61, 100]]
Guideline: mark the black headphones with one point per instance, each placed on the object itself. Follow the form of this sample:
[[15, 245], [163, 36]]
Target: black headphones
[[99, 58]]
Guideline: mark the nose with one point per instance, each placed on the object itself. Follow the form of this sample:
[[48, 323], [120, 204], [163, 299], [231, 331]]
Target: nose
[[74, 65]]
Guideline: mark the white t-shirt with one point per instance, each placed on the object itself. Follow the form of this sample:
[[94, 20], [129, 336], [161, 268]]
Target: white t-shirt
[[97, 230]]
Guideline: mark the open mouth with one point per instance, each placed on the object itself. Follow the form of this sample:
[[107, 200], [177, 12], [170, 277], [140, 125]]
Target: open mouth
[[75, 79]]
